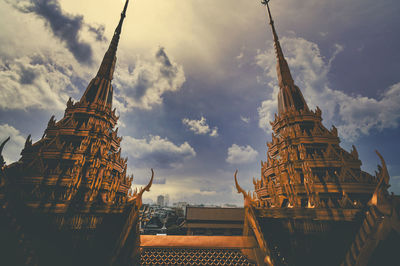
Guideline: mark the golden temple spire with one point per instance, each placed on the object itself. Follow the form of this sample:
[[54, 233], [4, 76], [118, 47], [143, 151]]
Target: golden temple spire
[[289, 94], [108, 64], [100, 89]]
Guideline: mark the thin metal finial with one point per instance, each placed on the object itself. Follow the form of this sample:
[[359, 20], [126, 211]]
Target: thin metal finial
[[125, 7], [123, 15], [107, 66], [102, 91], [266, 3]]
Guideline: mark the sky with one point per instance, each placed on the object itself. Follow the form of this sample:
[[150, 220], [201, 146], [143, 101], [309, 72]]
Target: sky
[[195, 82]]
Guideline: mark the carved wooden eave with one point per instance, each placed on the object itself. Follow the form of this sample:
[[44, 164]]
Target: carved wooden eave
[[135, 202], [252, 228], [381, 219], [2, 162]]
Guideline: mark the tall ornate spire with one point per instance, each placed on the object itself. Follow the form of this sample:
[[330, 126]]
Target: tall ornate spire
[[100, 89], [108, 64], [289, 94]]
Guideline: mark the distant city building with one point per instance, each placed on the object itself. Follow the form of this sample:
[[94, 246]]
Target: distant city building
[[166, 200], [181, 205], [160, 200]]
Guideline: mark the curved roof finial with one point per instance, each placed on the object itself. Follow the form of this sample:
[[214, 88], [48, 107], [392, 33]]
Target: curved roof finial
[[2, 162], [381, 194], [246, 195], [147, 188], [238, 187], [137, 197]]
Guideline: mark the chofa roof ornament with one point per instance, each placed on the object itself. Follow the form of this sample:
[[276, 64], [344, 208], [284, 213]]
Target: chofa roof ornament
[[137, 195], [2, 162], [248, 200], [380, 196]]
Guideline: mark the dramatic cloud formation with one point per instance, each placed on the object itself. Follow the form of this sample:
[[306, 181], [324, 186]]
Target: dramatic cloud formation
[[241, 154], [353, 115], [144, 178], [200, 127], [65, 27], [98, 31], [13, 148], [36, 71], [189, 189], [157, 152], [42, 63], [142, 85], [35, 82]]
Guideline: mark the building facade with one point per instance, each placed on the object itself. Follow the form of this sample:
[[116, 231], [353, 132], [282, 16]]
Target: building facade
[[213, 221], [160, 200]]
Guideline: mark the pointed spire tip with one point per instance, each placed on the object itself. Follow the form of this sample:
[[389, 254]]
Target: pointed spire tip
[[289, 94]]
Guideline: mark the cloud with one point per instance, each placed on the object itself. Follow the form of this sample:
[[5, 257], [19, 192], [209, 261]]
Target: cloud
[[65, 27], [241, 154], [36, 71], [34, 83], [198, 188], [142, 85], [245, 119], [240, 56], [144, 179], [14, 146], [98, 30], [352, 115], [200, 127], [159, 180], [214, 132], [157, 152], [188, 190]]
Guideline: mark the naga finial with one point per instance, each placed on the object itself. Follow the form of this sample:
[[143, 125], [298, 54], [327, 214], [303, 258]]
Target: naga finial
[[379, 198], [383, 173], [271, 21], [246, 196], [147, 188], [138, 196], [2, 162]]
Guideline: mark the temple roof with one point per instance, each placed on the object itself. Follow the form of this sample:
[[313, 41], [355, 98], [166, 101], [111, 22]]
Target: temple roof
[[214, 214], [197, 250]]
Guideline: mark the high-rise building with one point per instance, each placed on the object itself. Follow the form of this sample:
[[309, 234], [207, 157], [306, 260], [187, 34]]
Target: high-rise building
[[160, 200], [166, 200]]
